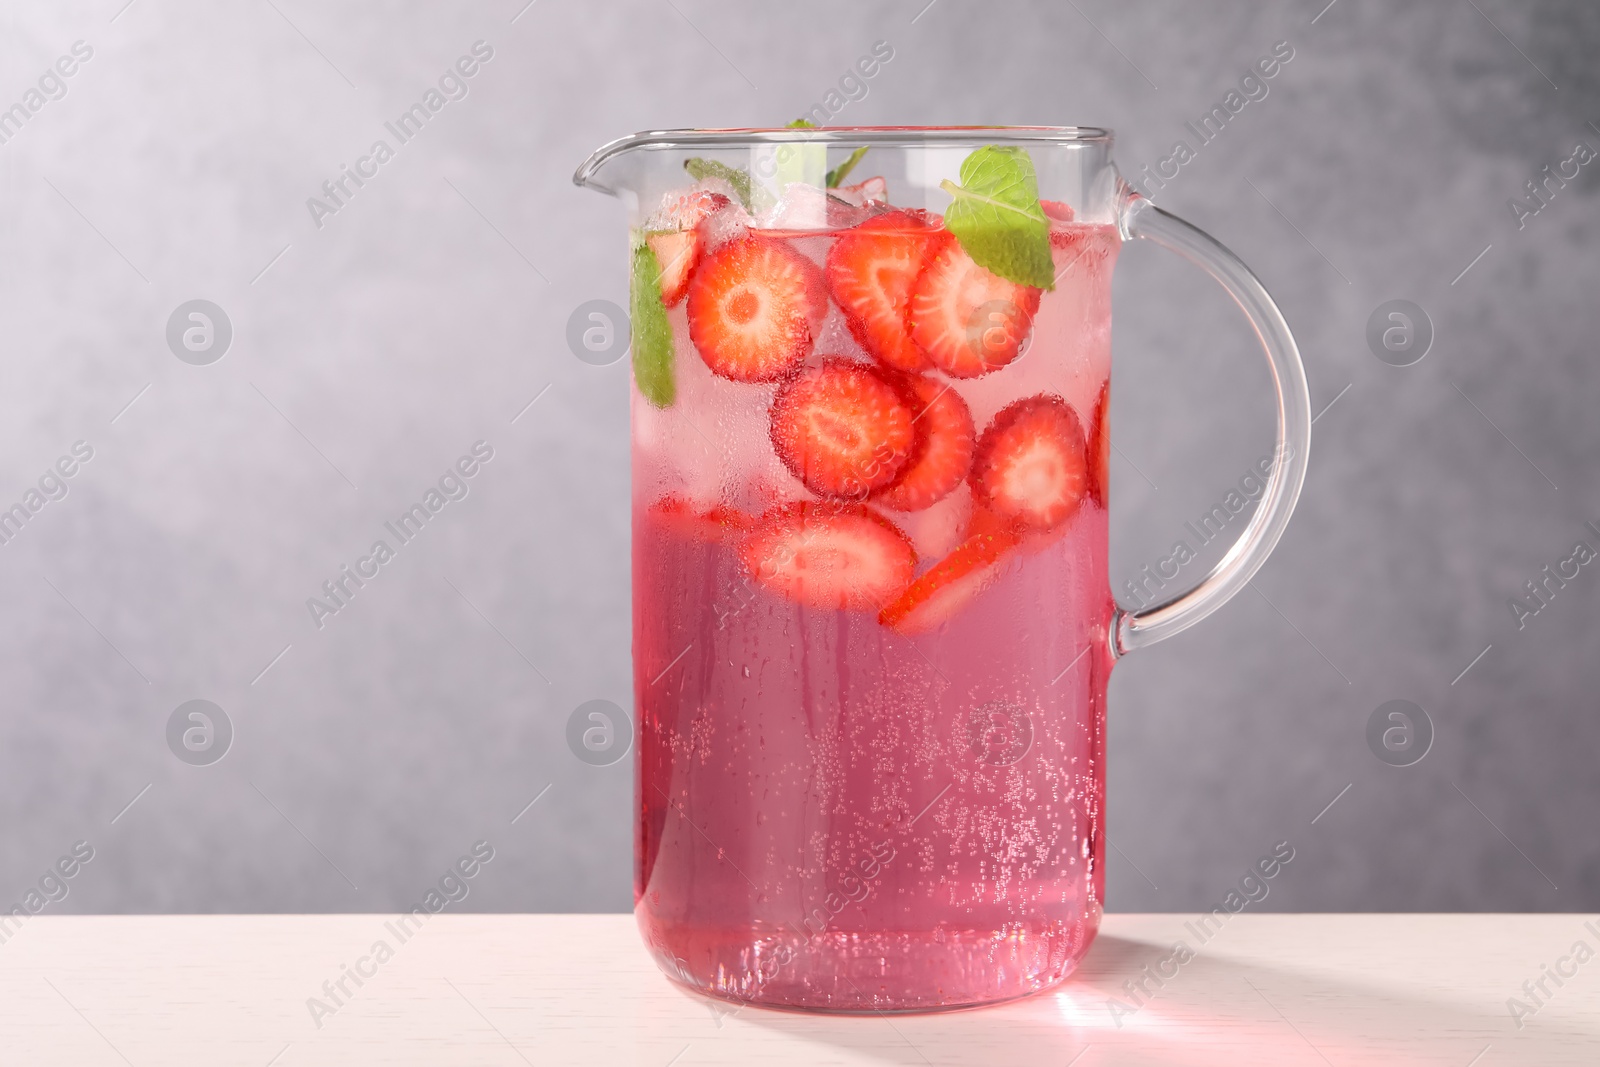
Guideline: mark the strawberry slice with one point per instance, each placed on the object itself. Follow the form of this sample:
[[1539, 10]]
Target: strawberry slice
[[1017, 536], [752, 306], [677, 253], [967, 320], [830, 557], [942, 452], [1062, 233], [873, 190], [842, 429], [935, 598], [1100, 448], [679, 243], [871, 270], [1057, 211], [984, 521], [720, 523], [1030, 468], [686, 209]]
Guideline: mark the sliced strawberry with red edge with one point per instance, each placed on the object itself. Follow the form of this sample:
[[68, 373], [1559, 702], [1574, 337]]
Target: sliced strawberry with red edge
[[984, 521], [677, 253], [967, 320], [1020, 537], [753, 304], [1031, 467], [1062, 233], [687, 209], [1100, 448], [842, 429], [949, 585], [871, 270], [719, 523], [942, 452], [1057, 210], [678, 249], [874, 190], [831, 557]]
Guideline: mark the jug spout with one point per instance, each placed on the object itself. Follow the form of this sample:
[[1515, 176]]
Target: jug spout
[[613, 168]]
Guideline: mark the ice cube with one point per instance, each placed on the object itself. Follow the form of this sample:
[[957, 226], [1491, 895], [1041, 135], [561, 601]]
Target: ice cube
[[807, 207], [686, 208], [801, 207], [728, 224], [938, 530]]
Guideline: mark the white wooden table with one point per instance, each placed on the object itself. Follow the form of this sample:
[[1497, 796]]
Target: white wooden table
[[557, 989]]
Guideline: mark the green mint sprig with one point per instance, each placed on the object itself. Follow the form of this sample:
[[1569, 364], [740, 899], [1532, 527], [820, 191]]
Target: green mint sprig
[[700, 169], [997, 218], [652, 333], [837, 175]]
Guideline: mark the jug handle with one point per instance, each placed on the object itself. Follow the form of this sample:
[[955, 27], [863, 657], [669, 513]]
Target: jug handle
[[1138, 217]]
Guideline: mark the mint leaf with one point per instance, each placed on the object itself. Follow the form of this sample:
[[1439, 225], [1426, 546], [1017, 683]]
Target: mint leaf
[[699, 169], [652, 333], [837, 175], [997, 218]]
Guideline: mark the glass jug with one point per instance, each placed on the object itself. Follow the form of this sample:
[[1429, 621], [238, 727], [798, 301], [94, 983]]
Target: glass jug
[[872, 625]]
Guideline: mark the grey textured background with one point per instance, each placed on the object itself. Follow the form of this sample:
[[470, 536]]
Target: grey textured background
[[431, 309]]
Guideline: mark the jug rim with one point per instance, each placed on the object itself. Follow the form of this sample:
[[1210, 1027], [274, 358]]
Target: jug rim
[[901, 136]]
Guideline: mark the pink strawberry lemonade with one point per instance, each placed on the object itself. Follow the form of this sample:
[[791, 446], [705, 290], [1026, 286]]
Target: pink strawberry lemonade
[[870, 612]]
